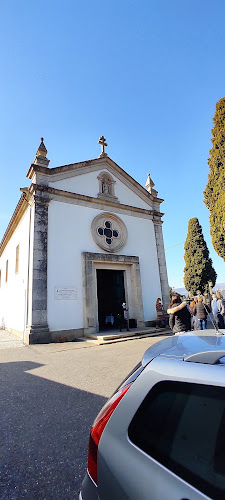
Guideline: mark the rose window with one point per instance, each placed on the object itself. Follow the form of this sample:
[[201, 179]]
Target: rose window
[[107, 232]]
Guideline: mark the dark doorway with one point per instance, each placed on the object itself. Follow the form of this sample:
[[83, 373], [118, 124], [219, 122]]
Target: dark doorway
[[111, 295]]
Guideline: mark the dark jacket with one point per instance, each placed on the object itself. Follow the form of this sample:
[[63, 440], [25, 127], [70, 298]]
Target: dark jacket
[[208, 300], [180, 318], [201, 311]]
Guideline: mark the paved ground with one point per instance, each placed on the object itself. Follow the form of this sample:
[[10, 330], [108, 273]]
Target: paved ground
[[50, 395], [9, 341]]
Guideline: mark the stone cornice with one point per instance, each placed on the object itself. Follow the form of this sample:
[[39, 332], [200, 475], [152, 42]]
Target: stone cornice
[[54, 193], [80, 168], [18, 213], [41, 200], [48, 193], [27, 199], [157, 219]]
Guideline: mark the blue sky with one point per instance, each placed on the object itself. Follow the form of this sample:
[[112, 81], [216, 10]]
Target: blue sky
[[144, 73]]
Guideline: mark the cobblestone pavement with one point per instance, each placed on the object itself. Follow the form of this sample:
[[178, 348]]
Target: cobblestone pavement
[[8, 340]]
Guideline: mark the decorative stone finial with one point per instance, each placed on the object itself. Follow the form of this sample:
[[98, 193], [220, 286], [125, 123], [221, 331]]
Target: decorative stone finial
[[149, 186], [102, 141], [41, 155], [42, 149]]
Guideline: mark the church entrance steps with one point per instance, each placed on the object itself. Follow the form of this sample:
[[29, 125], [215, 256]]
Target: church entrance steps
[[105, 337]]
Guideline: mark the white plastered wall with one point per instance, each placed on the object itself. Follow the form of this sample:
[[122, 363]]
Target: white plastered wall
[[13, 293], [70, 235], [88, 185]]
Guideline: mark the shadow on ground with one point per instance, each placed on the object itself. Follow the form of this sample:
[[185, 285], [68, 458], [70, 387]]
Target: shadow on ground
[[44, 430]]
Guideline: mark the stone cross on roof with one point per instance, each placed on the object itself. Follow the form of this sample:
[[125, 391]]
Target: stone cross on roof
[[103, 143]]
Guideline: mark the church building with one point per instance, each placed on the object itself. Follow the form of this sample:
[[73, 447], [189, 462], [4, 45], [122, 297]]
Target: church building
[[84, 239]]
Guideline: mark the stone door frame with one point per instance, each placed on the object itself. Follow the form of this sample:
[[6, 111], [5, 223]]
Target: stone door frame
[[132, 283]]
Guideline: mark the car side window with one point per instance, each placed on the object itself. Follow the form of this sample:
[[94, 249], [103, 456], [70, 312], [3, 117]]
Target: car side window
[[182, 426]]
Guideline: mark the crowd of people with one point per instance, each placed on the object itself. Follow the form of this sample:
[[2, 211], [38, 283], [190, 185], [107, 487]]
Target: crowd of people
[[184, 316]]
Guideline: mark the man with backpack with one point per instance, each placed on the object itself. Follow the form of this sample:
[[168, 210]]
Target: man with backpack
[[218, 310]]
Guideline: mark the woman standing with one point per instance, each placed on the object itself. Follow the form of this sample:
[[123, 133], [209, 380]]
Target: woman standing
[[179, 315]]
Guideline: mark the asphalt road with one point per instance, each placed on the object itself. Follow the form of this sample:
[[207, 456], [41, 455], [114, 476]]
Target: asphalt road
[[49, 397]]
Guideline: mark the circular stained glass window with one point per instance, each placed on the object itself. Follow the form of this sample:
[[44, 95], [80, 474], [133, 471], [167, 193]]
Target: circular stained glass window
[[109, 232]]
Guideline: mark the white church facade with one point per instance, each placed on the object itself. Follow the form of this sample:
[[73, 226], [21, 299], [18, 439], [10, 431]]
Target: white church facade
[[83, 239]]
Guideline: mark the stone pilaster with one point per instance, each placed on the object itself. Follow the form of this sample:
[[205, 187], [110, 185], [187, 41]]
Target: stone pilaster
[[161, 261], [89, 294], [38, 331]]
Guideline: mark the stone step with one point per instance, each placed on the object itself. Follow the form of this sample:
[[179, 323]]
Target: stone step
[[106, 337]]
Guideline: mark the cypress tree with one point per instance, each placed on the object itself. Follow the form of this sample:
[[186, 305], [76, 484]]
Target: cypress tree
[[198, 269], [214, 194]]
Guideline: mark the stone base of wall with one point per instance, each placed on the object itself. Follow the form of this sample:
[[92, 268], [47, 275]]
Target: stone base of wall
[[66, 335], [150, 323], [153, 322], [42, 335], [140, 324], [38, 334]]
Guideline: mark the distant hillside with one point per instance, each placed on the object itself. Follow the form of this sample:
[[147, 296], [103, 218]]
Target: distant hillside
[[181, 291], [218, 286]]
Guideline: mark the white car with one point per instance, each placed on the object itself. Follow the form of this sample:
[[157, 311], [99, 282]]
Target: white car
[[162, 434]]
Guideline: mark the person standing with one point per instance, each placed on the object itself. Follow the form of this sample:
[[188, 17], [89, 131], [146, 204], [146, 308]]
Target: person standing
[[223, 304], [218, 310], [126, 316], [201, 312], [119, 321], [207, 301], [179, 315], [221, 301], [160, 318], [194, 321]]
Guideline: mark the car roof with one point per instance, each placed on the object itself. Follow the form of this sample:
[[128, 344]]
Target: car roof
[[204, 346]]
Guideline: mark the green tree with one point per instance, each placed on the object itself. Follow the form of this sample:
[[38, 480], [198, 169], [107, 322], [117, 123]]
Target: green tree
[[214, 194], [198, 269]]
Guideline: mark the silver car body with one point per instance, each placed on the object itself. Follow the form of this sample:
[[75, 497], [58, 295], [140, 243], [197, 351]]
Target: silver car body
[[126, 472]]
